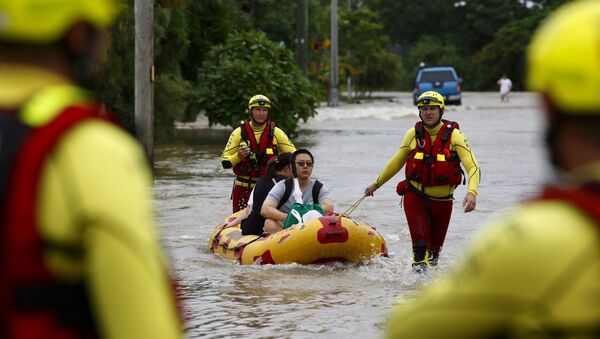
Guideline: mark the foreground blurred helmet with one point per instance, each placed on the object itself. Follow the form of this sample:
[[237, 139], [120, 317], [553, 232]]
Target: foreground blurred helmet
[[564, 59], [431, 98], [46, 21]]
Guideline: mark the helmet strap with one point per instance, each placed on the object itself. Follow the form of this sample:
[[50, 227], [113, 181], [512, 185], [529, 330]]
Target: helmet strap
[[256, 123], [551, 133], [83, 52], [551, 139]]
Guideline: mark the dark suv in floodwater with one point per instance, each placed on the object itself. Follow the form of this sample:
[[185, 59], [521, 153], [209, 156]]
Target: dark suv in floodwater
[[441, 79]]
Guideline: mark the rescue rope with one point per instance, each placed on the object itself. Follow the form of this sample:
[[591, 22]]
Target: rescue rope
[[351, 208]]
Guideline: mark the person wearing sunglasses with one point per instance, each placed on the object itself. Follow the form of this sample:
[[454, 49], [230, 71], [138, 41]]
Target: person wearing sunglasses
[[432, 153], [249, 148], [301, 189]]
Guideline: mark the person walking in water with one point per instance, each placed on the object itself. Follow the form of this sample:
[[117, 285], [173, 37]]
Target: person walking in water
[[505, 87], [432, 152], [535, 272], [80, 251], [249, 148]]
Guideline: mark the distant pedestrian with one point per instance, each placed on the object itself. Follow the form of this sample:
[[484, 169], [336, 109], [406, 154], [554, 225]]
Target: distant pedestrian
[[505, 87]]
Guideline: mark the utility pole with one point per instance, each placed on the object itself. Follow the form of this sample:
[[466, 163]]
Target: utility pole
[[144, 75], [349, 79], [334, 81], [302, 36]]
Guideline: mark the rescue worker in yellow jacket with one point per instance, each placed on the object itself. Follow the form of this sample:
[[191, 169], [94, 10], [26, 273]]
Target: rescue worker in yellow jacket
[[80, 256], [431, 153], [536, 272], [249, 148]]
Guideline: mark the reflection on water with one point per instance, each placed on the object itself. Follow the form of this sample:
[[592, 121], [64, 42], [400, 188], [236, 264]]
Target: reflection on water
[[351, 145], [291, 299]]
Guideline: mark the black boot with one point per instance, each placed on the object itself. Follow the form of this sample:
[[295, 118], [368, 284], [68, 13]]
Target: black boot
[[420, 256], [433, 257]]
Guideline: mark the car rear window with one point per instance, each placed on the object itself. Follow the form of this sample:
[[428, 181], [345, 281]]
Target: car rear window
[[432, 76]]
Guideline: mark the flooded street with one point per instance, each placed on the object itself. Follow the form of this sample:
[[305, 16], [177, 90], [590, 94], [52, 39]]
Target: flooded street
[[351, 145]]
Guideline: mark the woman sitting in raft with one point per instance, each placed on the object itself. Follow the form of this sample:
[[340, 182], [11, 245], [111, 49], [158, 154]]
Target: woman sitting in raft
[[301, 189], [252, 222]]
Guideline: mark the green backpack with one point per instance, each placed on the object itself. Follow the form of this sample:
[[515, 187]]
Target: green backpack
[[297, 212], [301, 213]]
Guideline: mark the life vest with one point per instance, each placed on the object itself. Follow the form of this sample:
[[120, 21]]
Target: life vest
[[255, 165], [586, 198], [33, 302], [434, 165]]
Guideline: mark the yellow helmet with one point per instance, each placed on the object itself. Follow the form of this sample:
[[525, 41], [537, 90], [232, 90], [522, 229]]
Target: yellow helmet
[[563, 59], [259, 100], [431, 98], [46, 21]]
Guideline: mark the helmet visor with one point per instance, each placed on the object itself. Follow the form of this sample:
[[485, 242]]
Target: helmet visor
[[429, 101]]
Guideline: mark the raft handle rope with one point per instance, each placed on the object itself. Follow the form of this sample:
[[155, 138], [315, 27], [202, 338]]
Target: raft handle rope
[[240, 246], [350, 209]]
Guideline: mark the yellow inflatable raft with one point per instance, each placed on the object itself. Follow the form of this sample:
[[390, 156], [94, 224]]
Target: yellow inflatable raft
[[326, 239]]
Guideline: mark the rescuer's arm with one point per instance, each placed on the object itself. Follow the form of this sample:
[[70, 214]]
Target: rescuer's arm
[[284, 144], [467, 158], [394, 164], [231, 157], [494, 293], [108, 187]]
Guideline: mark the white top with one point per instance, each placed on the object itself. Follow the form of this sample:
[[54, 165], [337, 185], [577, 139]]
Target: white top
[[505, 85]]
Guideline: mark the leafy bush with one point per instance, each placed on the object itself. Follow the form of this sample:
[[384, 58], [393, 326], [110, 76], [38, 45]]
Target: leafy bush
[[246, 65], [381, 72], [433, 52], [115, 83], [506, 53]]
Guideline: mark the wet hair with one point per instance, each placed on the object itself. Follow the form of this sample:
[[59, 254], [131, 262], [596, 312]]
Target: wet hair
[[300, 151], [278, 163]]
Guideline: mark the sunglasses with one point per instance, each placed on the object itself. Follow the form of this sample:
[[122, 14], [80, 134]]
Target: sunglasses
[[303, 163]]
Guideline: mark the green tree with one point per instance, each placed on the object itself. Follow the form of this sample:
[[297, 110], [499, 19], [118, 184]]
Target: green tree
[[379, 73], [432, 51], [405, 21], [506, 53], [171, 45], [362, 42], [274, 17], [116, 81], [459, 28], [248, 64], [485, 17], [208, 24]]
